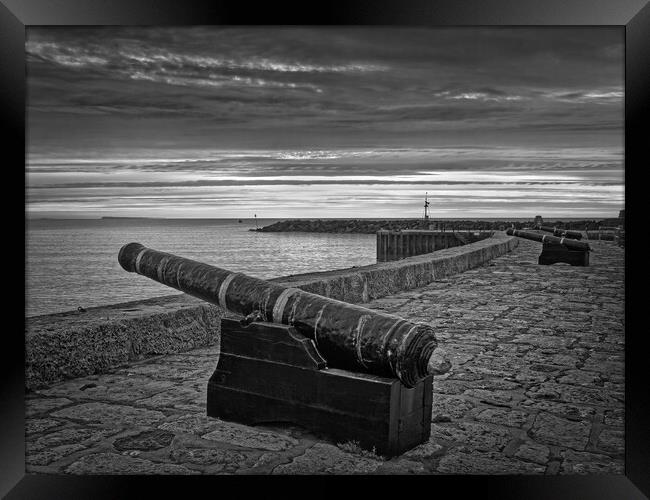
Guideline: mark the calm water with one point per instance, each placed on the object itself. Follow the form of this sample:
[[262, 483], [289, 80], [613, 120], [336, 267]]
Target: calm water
[[73, 263]]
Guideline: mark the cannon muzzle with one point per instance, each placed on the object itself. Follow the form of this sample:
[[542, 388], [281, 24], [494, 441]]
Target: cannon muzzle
[[348, 336]]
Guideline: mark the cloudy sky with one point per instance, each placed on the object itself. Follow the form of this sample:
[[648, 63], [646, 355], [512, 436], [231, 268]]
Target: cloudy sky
[[324, 122]]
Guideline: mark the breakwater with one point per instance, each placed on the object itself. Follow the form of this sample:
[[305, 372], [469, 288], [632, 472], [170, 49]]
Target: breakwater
[[76, 344], [369, 226]]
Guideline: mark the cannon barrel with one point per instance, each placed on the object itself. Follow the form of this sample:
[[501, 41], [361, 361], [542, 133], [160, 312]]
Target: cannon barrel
[[574, 235], [547, 238], [348, 336]]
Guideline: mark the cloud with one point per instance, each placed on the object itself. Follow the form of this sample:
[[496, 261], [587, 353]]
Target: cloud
[[274, 85], [299, 182], [358, 112], [215, 80], [604, 96]]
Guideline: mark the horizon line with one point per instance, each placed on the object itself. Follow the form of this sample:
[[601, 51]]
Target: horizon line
[[321, 218]]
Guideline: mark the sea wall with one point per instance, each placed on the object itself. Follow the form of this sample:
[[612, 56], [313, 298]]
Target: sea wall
[[601, 235], [366, 283], [75, 344], [397, 245]]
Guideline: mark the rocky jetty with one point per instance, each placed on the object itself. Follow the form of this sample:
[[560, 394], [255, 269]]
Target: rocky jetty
[[342, 225], [368, 226]]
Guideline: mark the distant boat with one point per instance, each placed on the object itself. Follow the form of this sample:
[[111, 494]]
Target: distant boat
[[240, 221]]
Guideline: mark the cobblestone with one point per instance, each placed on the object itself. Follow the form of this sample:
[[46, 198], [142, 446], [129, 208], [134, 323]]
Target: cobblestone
[[247, 437], [146, 441], [467, 461], [560, 431], [535, 386], [110, 414], [111, 463], [327, 459], [217, 461], [533, 452], [51, 454]]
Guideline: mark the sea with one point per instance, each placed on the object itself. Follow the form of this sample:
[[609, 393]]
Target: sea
[[73, 263]]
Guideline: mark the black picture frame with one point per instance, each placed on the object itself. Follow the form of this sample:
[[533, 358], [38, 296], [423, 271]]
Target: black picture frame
[[632, 15]]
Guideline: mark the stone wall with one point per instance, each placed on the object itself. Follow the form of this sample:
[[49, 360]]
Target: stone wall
[[75, 344]]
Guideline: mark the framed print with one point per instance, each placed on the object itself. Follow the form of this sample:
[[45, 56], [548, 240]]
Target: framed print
[[376, 239]]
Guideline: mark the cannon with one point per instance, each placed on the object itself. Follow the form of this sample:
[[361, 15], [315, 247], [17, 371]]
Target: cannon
[[335, 367], [574, 235], [557, 249], [348, 336]]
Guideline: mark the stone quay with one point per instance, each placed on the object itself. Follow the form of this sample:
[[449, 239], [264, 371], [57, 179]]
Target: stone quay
[[532, 382]]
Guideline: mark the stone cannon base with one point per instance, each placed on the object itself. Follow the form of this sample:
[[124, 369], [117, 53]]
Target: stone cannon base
[[552, 254], [270, 373]]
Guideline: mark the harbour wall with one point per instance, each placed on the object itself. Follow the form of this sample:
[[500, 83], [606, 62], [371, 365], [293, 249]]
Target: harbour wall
[[397, 245], [76, 344]]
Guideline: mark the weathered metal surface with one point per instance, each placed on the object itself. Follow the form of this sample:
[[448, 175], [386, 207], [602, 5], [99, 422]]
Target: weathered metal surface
[[547, 238], [348, 336], [574, 235]]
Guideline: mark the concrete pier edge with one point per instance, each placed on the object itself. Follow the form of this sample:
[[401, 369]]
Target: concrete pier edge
[[72, 344]]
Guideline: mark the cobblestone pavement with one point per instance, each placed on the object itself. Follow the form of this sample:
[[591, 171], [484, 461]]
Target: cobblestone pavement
[[536, 387]]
